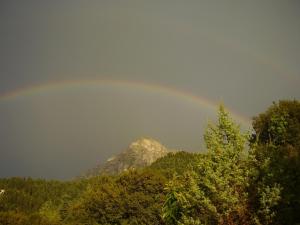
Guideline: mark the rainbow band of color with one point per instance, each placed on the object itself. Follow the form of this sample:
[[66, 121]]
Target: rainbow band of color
[[203, 102]]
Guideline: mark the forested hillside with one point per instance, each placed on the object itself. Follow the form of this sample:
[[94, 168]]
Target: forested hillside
[[241, 179]]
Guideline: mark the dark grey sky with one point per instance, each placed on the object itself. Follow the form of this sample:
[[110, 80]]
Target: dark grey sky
[[243, 53]]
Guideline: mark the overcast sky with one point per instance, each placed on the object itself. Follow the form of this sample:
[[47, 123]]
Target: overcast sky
[[245, 54]]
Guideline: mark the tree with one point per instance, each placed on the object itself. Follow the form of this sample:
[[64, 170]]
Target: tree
[[276, 154], [215, 193], [176, 162], [134, 197]]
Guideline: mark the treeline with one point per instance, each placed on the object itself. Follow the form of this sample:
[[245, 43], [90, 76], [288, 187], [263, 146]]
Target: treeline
[[28, 201], [243, 178]]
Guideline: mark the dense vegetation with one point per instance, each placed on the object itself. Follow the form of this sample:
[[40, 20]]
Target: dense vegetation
[[241, 179]]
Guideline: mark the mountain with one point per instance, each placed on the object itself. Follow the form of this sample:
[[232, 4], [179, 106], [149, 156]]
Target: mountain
[[139, 154]]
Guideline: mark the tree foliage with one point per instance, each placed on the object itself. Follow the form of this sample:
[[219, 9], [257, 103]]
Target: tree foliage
[[176, 163], [276, 156], [134, 197], [215, 192]]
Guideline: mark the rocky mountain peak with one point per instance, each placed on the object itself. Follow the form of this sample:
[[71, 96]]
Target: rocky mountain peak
[[147, 145], [140, 153]]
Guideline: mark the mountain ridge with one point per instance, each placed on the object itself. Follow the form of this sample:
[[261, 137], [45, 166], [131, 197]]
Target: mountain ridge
[[139, 154]]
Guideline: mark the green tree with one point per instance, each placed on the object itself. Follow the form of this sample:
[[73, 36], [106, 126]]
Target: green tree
[[276, 154], [176, 162], [215, 193], [50, 211], [134, 197]]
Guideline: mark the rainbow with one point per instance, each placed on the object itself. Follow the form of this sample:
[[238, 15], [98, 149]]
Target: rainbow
[[157, 88]]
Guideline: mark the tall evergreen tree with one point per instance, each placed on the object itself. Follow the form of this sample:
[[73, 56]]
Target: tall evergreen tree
[[215, 193]]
